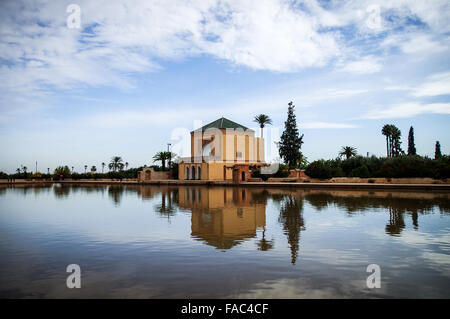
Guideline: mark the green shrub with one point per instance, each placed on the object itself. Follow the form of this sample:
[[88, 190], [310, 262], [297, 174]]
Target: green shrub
[[394, 167], [62, 170], [442, 167], [319, 169], [337, 172], [361, 171]]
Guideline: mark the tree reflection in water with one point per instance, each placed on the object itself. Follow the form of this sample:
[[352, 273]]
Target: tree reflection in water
[[115, 192], [396, 206], [255, 238], [396, 222], [291, 217], [224, 217], [62, 191], [168, 207]]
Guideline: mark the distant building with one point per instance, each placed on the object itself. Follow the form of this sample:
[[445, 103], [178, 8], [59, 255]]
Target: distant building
[[149, 174], [222, 150]]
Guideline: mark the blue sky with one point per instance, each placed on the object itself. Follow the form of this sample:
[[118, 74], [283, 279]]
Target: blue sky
[[138, 74]]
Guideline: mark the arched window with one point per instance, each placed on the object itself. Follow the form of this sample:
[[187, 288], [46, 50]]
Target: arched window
[[187, 172], [193, 172], [199, 172]]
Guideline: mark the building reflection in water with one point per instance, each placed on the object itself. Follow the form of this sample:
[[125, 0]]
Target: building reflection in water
[[223, 217]]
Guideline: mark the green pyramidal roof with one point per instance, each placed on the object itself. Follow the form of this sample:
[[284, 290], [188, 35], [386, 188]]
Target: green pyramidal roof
[[222, 123]]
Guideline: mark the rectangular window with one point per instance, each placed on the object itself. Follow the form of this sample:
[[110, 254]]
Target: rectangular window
[[239, 154]]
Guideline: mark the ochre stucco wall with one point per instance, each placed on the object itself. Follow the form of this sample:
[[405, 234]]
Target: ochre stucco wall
[[226, 144]]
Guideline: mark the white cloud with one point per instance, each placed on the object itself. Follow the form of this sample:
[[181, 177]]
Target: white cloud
[[127, 36], [408, 110], [122, 38], [134, 118], [423, 43], [398, 88], [366, 65], [270, 35], [326, 125], [417, 43], [436, 84], [328, 94], [434, 13]]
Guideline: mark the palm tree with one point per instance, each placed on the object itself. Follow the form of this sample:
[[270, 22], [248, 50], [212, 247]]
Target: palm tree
[[72, 169], [85, 168], [103, 166], [348, 152], [93, 169], [393, 135], [18, 171], [396, 134], [162, 156], [116, 163], [126, 165], [262, 120], [387, 131], [24, 169]]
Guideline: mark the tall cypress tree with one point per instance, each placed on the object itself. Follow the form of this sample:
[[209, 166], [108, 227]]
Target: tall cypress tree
[[290, 142], [437, 150], [411, 145]]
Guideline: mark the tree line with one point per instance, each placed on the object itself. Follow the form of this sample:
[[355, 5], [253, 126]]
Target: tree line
[[117, 169], [397, 163]]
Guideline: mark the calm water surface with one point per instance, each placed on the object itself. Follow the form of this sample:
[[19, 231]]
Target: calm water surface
[[199, 242]]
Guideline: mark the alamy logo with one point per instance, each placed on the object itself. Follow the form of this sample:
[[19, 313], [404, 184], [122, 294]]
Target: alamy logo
[[373, 21], [373, 280], [74, 18], [74, 279]]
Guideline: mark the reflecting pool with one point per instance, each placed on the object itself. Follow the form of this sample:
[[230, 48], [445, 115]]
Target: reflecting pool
[[222, 242]]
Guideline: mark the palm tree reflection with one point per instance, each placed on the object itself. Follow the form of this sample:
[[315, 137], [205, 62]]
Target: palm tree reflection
[[115, 192], [167, 208], [264, 244], [396, 222], [397, 205]]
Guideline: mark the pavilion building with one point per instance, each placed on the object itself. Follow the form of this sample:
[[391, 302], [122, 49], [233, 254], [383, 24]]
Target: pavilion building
[[222, 150]]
